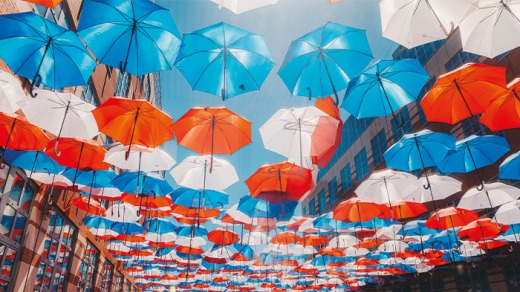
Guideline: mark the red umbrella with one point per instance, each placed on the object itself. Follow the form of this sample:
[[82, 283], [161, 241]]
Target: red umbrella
[[89, 205], [352, 210], [404, 210], [222, 236], [504, 112], [285, 238], [482, 229], [450, 217], [313, 240], [327, 105]]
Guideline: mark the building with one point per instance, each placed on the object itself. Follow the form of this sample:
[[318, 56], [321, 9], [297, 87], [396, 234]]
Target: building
[[361, 152], [43, 244]]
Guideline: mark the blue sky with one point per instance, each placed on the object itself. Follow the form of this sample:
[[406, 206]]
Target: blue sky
[[279, 24]]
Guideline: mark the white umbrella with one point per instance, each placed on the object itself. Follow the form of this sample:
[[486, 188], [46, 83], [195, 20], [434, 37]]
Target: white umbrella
[[492, 29], [140, 158], [343, 241], [193, 172], [356, 252], [393, 246], [413, 23], [122, 212], [11, 93], [390, 232], [508, 213], [240, 6], [441, 188], [298, 132], [255, 238], [195, 241], [491, 196]]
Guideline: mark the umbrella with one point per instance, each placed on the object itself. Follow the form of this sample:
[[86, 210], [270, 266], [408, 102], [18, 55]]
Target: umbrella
[[11, 93], [33, 161], [504, 112], [508, 213], [489, 196], [481, 30], [140, 158], [89, 205], [344, 241], [384, 88], [509, 169], [463, 93], [47, 3], [212, 130], [323, 61], [224, 60], [473, 153], [43, 51], [192, 198], [222, 236], [133, 122], [299, 132], [404, 210], [441, 187], [412, 23], [193, 172], [482, 229], [450, 217], [393, 246], [355, 211], [327, 105], [145, 183], [135, 36], [257, 208], [279, 182], [161, 232], [241, 6]]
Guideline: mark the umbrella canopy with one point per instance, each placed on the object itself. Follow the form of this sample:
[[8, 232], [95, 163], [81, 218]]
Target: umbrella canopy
[[241, 6], [192, 198], [222, 236], [224, 60], [78, 153], [510, 167], [33, 161], [412, 23], [18, 134], [193, 172], [140, 158], [122, 212], [504, 112], [384, 88], [256, 208], [89, 205], [135, 36], [48, 54], [508, 213], [450, 217], [322, 62], [464, 92], [441, 187], [11, 93], [145, 183], [387, 186], [482, 30], [482, 229], [47, 3], [490, 196], [355, 211], [405, 210]]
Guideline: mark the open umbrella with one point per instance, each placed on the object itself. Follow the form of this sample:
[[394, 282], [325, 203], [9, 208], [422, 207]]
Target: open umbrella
[[450, 217], [352, 210], [384, 88], [241, 6], [43, 51], [11, 93], [140, 158], [504, 112], [488, 196], [193, 172], [224, 60], [143, 183], [135, 36], [323, 61], [510, 167], [482, 229]]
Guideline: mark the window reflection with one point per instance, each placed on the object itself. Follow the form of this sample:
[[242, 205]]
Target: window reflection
[[106, 281], [88, 267]]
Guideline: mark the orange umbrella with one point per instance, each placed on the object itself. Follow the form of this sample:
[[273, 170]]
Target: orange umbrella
[[47, 3], [352, 210], [327, 105], [133, 122], [195, 212], [464, 92], [482, 229], [89, 205], [313, 240], [222, 236], [504, 112], [17, 133], [212, 130], [404, 210], [331, 251], [280, 182], [450, 217], [285, 238]]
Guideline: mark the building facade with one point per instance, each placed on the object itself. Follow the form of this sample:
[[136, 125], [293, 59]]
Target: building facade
[[43, 244]]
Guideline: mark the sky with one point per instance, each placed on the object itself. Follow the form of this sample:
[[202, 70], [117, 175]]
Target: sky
[[279, 25]]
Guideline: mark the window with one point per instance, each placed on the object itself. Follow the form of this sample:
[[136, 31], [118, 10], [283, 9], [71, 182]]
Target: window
[[460, 59], [312, 207], [322, 201], [147, 89], [403, 124], [379, 147], [346, 178], [333, 191], [119, 282], [157, 89], [55, 258], [88, 268], [421, 53], [109, 71], [361, 164], [88, 95], [107, 274], [512, 276], [468, 125], [128, 286], [56, 15], [123, 84], [472, 280]]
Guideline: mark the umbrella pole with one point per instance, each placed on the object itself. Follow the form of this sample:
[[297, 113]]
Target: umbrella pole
[[61, 129], [481, 186], [388, 196], [32, 170], [322, 55], [74, 187], [138, 173], [428, 186], [127, 154], [224, 58], [359, 214], [122, 66], [7, 144], [398, 122], [472, 116], [37, 80], [212, 142]]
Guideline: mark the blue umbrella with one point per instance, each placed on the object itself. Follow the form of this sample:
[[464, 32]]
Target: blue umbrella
[[191, 231], [128, 228], [224, 60], [94, 179], [323, 61], [33, 161], [510, 167], [384, 88], [473, 153], [256, 208], [43, 51], [159, 226], [135, 36], [149, 184], [192, 198]]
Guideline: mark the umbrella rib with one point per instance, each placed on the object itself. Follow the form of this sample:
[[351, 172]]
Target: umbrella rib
[[206, 69], [246, 69], [145, 33], [114, 42]]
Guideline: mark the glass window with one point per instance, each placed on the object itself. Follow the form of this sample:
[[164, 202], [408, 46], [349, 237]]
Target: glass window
[[19, 186], [421, 53], [379, 147], [88, 95], [403, 124], [157, 89], [119, 282], [88, 268], [147, 89], [107, 274], [346, 178], [123, 84], [128, 286], [3, 176], [57, 247], [361, 164], [56, 15], [322, 201], [312, 207], [333, 190], [461, 58]]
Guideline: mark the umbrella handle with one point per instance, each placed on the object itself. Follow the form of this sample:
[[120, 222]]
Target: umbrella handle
[[56, 152], [310, 92], [36, 82], [122, 67], [223, 94], [480, 187], [427, 187], [399, 122]]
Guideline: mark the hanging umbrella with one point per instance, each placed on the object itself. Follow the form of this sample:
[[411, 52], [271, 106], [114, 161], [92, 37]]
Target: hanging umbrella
[[160, 232], [327, 106], [150, 206], [89, 205], [508, 213], [481, 30], [33, 161], [450, 217], [192, 198], [212, 130], [504, 112], [510, 167], [279, 182], [384, 88], [11, 93], [138, 37], [193, 172], [344, 241], [241, 6], [405, 210], [393, 246], [133, 122], [412, 23], [473, 153], [463, 93], [482, 229], [224, 60], [441, 187], [489, 196], [222, 236], [299, 132], [352, 210], [142, 183], [140, 158], [256, 208], [48, 54], [323, 61]]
